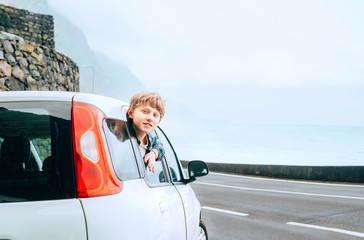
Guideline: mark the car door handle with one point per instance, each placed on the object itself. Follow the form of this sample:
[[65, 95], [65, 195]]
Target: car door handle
[[163, 207]]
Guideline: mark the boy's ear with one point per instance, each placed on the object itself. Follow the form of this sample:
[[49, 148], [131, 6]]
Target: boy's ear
[[130, 113]]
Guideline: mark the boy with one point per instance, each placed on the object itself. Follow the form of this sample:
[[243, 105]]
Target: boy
[[146, 111]]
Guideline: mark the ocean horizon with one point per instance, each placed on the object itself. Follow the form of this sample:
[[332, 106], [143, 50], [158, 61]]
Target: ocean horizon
[[269, 144]]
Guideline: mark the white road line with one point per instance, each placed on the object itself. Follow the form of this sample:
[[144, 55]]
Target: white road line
[[278, 191], [357, 234], [290, 181], [226, 211]]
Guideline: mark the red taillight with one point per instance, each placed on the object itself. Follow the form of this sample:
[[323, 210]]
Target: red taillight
[[94, 173]]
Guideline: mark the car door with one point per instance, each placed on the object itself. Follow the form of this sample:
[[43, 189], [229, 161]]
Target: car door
[[148, 206], [162, 193], [191, 204]]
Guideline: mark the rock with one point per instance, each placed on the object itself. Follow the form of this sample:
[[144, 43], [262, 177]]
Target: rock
[[26, 47], [64, 80], [32, 67], [15, 85], [59, 56], [9, 36], [18, 53], [34, 55], [41, 60], [5, 69], [2, 85], [18, 73], [47, 52], [8, 47], [39, 50], [23, 62], [44, 88], [35, 73], [56, 66], [59, 78], [53, 87], [68, 83], [1, 55], [9, 57], [61, 88], [32, 61], [62, 68], [32, 83]]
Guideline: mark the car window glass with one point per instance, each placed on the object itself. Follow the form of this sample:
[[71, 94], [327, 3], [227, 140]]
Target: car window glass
[[156, 177], [170, 157], [121, 151], [36, 160]]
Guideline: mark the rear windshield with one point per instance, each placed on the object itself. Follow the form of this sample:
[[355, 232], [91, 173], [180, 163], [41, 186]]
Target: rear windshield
[[36, 161]]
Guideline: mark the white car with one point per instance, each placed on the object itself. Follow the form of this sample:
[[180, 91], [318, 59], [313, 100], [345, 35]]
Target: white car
[[70, 169]]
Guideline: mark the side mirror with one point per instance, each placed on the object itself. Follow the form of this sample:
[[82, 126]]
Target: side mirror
[[195, 169]]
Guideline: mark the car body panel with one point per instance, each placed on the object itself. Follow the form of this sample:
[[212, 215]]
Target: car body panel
[[192, 209], [138, 212], [57, 219]]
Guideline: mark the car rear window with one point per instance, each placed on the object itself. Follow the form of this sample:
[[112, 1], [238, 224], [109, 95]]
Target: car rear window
[[121, 150], [36, 160]]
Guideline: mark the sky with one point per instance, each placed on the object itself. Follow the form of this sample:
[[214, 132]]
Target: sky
[[283, 61], [289, 43]]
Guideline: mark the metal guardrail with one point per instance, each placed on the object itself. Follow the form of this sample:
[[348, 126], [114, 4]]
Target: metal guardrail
[[349, 174]]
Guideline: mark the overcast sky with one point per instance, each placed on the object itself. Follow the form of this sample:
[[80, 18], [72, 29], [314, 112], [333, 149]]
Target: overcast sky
[[274, 43], [267, 58]]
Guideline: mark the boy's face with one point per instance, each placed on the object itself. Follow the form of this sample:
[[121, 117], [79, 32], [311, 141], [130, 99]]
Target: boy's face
[[145, 119]]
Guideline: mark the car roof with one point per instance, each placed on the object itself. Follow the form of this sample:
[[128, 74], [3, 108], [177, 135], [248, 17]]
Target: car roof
[[110, 106], [17, 96]]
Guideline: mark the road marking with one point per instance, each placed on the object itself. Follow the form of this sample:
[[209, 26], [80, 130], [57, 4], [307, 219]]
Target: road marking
[[357, 234], [289, 181], [279, 191], [226, 211]]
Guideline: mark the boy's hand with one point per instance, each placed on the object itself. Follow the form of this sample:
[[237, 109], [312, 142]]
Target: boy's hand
[[150, 159]]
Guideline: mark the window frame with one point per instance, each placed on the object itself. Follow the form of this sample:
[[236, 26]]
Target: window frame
[[178, 162]]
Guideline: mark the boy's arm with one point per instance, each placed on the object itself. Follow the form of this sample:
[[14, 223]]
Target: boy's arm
[[157, 147], [156, 152]]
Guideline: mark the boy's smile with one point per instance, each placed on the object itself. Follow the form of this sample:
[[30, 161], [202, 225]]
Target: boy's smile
[[145, 119]]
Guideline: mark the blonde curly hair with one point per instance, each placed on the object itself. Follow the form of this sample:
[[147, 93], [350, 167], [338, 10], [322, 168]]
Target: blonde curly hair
[[148, 98]]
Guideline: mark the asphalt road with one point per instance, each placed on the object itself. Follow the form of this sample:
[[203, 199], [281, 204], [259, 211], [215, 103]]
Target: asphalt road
[[238, 207]]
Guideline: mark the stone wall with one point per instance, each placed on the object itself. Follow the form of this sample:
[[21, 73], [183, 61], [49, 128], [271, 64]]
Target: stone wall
[[28, 60], [32, 27], [30, 66]]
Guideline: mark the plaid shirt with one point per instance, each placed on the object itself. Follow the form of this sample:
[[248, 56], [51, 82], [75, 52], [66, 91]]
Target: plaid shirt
[[155, 143]]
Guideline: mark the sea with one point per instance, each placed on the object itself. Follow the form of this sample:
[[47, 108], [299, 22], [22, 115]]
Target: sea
[[269, 144]]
